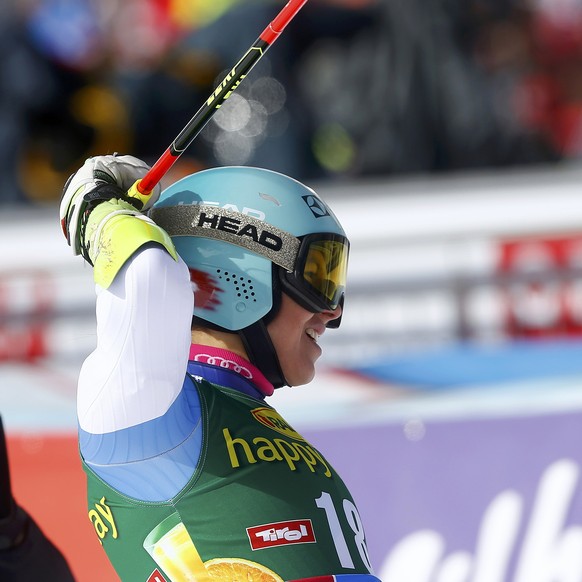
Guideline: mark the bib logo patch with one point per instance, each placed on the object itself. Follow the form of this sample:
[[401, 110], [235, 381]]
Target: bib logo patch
[[156, 576], [273, 420], [101, 517], [298, 531]]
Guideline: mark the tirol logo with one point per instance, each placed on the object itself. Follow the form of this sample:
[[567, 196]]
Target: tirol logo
[[156, 576], [272, 419], [316, 206], [298, 531]]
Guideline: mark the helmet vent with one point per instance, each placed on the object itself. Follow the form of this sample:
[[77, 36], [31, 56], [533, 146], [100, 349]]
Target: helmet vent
[[243, 286]]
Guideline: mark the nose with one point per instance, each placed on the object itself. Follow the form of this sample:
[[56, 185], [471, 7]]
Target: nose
[[333, 318]]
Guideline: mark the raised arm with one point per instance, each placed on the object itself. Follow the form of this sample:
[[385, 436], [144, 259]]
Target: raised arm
[[144, 298]]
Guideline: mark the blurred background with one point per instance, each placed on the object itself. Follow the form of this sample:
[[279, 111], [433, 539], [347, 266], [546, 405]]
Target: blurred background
[[355, 87], [447, 136]]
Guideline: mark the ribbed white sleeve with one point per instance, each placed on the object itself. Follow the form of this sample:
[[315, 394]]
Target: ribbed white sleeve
[[143, 341]]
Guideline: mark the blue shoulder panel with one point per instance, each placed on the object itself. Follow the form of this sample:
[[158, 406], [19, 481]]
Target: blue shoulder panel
[[152, 461]]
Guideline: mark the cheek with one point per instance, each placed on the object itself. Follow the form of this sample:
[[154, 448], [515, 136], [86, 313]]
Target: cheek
[[286, 338], [294, 349], [287, 326], [296, 354]]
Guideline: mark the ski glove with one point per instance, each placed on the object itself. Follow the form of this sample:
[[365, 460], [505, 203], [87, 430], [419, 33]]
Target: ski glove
[[101, 178]]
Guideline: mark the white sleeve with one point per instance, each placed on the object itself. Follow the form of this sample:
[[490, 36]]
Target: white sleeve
[[143, 341]]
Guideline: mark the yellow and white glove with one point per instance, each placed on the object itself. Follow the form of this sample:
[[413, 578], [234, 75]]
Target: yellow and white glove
[[100, 178], [104, 222]]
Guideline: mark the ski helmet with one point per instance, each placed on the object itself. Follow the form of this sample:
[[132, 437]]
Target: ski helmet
[[247, 234]]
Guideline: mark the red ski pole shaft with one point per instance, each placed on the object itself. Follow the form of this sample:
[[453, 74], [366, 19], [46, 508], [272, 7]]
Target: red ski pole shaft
[[225, 88]]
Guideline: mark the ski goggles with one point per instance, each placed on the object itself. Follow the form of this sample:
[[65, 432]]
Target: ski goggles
[[318, 280], [313, 268]]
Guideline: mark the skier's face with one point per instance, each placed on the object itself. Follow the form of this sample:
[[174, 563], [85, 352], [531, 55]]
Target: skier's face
[[295, 332]]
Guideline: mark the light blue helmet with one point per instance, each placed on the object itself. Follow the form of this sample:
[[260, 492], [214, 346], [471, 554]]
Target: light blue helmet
[[247, 234]]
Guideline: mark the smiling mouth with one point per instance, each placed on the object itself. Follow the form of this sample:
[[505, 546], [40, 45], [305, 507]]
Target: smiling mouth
[[312, 334]]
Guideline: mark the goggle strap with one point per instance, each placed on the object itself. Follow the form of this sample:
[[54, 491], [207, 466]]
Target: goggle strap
[[200, 220]]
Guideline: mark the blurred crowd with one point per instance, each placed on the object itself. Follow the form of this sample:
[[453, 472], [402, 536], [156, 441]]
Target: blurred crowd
[[352, 88]]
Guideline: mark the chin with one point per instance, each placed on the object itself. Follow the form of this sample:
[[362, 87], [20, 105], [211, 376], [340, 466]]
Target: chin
[[301, 379]]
